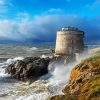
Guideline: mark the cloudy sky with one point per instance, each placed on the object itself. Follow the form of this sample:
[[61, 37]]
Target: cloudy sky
[[38, 20]]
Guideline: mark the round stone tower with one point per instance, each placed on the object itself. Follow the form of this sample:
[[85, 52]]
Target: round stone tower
[[69, 41]]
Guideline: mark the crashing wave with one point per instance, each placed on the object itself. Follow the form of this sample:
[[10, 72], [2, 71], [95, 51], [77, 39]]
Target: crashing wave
[[48, 85]]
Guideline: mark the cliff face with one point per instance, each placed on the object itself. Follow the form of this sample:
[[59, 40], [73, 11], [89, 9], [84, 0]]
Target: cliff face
[[84, 83]]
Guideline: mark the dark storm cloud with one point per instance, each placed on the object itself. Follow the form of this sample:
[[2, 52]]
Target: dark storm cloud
[[44, 27]]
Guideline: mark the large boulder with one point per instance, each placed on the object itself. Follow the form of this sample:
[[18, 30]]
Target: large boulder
[[30, 67]]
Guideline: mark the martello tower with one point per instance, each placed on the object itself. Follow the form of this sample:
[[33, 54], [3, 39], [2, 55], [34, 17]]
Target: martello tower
[[69, 41]]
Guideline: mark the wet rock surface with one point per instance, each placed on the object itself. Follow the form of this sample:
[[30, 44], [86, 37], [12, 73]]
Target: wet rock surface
[[28, 68], [84, 83]]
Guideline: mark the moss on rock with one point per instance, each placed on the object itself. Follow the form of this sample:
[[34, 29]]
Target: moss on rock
[[84, 83]]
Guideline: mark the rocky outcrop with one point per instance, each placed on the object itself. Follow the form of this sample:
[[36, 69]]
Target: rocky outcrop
[[30, 67], [84, 83], [65, 59]]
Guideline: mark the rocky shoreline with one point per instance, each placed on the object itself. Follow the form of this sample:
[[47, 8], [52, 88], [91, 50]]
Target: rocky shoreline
[[84, 78], [84, 83], [31, 68]]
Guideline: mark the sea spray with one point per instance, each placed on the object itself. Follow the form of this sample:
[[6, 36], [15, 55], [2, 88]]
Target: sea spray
[[6, 83], [60, 76], [50, 84], [47, 86], [11, 60], [40, 89]]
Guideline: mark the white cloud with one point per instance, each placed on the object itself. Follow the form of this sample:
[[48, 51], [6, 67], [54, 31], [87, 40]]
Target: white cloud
[[44, 27], [41, 27], [14, 31]]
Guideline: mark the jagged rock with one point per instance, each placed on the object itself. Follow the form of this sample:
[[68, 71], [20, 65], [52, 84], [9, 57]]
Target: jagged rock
[[30, 59], [84, 81], [65, 59], [28, 68], [84, 67]]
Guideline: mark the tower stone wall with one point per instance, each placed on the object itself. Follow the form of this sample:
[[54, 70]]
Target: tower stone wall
[[69, 40]]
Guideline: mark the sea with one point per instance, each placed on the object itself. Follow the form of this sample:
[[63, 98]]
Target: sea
[[42, 89]]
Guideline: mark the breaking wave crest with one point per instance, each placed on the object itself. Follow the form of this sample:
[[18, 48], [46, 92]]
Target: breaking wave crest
[[45, 87]]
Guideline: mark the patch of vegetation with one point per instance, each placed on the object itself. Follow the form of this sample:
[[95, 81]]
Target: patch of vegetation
[[90, 88], [95, 92]]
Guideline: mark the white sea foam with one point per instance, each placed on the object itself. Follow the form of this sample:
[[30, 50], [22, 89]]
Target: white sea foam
[[53, 82], [32, 49], [2, 67], [18, 58], [3, 76], [60, 76], [44, 56], [9, 61], [47, 86]]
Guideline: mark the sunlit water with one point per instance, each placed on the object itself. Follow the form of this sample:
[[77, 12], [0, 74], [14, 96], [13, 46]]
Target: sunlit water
[[45, 87]]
